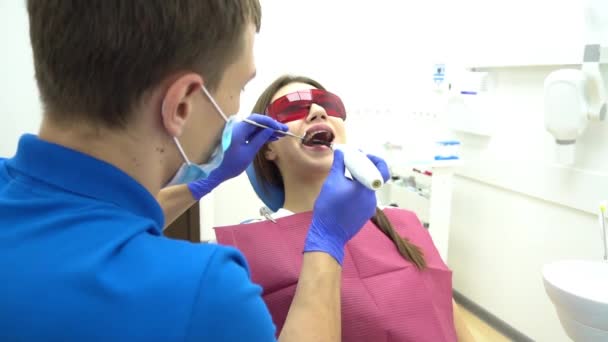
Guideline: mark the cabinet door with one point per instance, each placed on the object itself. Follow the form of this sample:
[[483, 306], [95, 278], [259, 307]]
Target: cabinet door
[[187, 226]]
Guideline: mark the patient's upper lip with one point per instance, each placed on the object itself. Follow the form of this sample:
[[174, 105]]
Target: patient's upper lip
[[319, 127]]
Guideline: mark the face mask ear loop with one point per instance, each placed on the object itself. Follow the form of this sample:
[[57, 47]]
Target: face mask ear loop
[[181, 151], [217, 107]]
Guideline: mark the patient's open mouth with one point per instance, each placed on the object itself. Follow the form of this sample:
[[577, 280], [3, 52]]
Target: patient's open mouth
[[318, 135]]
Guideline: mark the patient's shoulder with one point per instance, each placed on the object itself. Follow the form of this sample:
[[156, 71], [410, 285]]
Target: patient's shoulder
[[406, 222], [407, 225], [401, 214], [252, 221], [266, 215]]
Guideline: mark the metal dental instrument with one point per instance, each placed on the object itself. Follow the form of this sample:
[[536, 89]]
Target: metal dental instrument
[[251, 122]]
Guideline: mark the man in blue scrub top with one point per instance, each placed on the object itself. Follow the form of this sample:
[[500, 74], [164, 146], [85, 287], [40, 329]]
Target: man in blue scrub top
[[134, 95]]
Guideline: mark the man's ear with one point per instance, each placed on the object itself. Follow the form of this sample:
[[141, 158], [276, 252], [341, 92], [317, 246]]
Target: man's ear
[[178, 102], [270, 153]]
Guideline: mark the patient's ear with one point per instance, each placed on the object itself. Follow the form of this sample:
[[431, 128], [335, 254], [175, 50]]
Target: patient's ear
[[270, 153]]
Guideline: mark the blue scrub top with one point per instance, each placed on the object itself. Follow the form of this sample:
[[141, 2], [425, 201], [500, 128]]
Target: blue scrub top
[[83, 258]]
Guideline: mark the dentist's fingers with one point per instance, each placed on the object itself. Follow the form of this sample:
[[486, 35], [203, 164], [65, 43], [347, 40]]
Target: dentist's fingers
[[260, 138], [268, 122], [381, 165]]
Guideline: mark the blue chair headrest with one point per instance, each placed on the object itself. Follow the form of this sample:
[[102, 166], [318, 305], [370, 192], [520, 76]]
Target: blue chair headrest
[[272, 196]]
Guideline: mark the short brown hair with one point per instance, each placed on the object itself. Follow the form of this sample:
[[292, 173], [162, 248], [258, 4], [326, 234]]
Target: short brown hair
[[267, 172], [95, 59]]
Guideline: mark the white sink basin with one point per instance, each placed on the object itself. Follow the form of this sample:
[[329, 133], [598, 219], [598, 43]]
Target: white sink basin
[[579, 291]]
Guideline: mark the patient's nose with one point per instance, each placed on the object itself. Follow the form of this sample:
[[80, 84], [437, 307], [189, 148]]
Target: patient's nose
[[316, 113]]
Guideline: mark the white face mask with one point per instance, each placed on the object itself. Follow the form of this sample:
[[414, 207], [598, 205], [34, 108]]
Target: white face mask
[[190, 172]]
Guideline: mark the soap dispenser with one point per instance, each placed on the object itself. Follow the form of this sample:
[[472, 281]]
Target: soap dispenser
[[573, 98]]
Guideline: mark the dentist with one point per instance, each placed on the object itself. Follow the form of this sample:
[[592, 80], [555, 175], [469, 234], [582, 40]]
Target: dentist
[[135, 97]]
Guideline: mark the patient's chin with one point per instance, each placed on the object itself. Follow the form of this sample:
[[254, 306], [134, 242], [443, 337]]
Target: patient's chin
[[320, 165], [306, 163], [306, 166]]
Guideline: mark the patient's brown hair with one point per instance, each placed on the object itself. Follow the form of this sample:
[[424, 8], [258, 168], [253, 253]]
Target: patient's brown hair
[[268, 172]]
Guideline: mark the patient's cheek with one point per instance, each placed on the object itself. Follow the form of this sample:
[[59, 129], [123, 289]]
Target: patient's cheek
[[341, 136]]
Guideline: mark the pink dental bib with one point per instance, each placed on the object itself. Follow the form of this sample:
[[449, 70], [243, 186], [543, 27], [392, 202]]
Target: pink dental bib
[[385, 298]]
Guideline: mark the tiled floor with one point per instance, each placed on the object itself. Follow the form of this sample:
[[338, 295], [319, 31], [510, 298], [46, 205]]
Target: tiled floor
[[481, 331]]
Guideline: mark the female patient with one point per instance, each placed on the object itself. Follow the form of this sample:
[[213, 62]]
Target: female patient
[[395, 287]]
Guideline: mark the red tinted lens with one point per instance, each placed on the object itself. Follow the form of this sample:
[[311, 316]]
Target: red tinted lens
[[296, 106], [330, 102], [289, 108]]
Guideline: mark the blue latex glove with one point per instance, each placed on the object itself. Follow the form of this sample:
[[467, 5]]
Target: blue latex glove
[[341, 210], [381, 165], [247, 140]]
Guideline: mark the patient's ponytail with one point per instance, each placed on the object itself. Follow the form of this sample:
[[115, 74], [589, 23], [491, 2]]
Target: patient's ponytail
[[408, 250]]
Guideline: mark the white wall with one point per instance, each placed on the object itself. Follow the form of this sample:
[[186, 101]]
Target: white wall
[[514, 210], [19, 102], [507, 224]]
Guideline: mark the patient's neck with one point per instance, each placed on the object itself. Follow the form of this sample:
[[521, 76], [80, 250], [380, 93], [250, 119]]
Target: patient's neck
[[301, 193]]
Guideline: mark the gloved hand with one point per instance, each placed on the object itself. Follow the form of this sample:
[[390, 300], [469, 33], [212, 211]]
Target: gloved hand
[[341, 210], [247, 140]]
